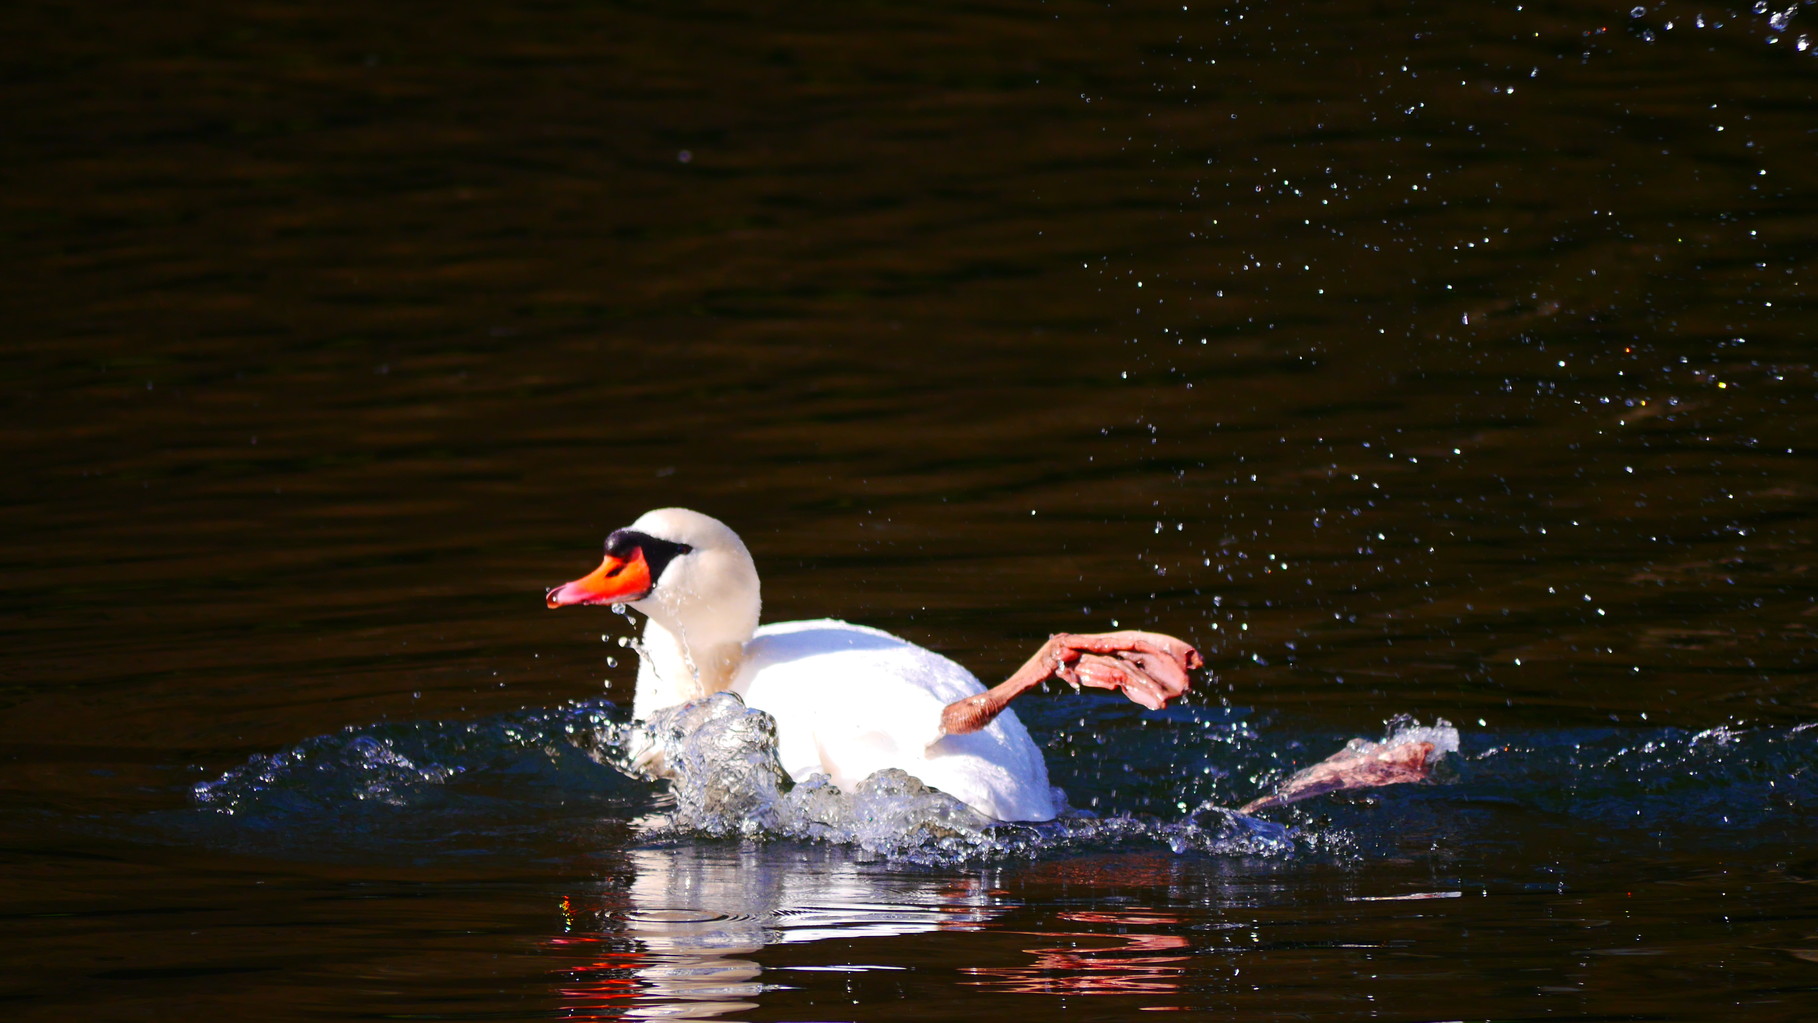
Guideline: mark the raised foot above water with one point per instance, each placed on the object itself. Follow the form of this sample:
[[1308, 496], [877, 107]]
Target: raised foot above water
[[1148, 667]]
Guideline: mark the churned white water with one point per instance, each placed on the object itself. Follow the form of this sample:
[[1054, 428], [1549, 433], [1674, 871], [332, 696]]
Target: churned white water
[[726, 781]]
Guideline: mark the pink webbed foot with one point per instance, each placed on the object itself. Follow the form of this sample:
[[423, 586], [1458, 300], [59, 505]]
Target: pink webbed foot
[[1148, 667], [1361, 765]]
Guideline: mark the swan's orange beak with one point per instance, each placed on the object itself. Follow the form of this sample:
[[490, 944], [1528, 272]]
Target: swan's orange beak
[[616, 581]]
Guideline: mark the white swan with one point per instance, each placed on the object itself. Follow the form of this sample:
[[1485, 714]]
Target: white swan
[[848, 700]]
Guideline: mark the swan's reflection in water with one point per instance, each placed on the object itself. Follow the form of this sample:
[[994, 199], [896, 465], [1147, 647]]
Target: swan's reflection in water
[[673, 940], [675, 964]]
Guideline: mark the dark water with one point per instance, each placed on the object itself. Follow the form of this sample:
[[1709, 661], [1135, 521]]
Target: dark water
[[1444, 360]]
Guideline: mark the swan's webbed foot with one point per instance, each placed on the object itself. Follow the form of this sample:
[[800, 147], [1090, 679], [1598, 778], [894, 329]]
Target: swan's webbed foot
[[1148, 667], [1361, 765]]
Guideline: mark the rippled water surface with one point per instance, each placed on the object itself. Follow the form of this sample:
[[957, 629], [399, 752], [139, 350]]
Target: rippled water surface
[[1451, 361]]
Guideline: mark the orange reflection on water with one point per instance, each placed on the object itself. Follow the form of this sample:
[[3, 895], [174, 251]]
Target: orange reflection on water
[[1118, 968], [598, 989]]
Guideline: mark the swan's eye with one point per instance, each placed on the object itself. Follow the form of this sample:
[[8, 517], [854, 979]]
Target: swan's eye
[[629, 545], [659, 553]]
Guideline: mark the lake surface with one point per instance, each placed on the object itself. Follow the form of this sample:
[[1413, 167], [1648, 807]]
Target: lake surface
[[1452, 361]]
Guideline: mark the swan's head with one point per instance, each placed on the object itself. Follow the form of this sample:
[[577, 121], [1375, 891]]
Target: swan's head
[[681, 568]]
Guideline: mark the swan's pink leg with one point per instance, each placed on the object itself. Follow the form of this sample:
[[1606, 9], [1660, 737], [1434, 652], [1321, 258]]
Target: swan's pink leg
[[1355, 767], [1148, 667]]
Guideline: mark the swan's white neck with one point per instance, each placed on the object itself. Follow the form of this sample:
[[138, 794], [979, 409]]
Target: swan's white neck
[[700, 615], [676, 665]]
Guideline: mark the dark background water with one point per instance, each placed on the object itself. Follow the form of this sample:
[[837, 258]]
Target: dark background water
[[1451, 360]]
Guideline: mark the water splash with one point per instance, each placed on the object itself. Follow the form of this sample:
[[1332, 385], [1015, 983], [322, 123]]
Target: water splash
[[412, 785], [726, 782], [513, 788], [409, 764], [1721, 784], [356, 766], [532, 783]]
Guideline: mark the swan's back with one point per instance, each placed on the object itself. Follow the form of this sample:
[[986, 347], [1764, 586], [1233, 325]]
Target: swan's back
[[850, 701]]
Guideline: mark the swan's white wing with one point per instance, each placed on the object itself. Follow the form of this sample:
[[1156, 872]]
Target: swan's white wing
[[850, 701]]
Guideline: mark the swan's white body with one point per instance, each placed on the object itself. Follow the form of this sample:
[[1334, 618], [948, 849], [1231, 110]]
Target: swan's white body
[[848, 700]]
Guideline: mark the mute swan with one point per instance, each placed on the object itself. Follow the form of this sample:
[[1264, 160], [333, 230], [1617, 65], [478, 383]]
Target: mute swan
[[849, 700]]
